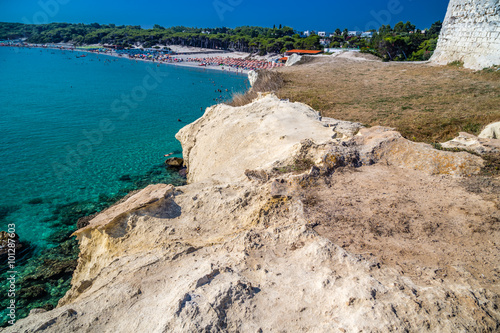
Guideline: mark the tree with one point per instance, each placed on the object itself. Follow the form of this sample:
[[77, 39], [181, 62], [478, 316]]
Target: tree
[[435, 29], [287, 31], [399, 27], [397, 44], [408, 27], [385, 30], [425, 51]]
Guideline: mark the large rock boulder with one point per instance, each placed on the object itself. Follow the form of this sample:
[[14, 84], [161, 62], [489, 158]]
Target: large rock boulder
[[175, 162], [476, 144], [147, 197], [378, 144], [491, 131], [261, 133]]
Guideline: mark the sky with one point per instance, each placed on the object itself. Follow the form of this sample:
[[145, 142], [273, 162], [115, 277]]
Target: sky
[[298, 14]]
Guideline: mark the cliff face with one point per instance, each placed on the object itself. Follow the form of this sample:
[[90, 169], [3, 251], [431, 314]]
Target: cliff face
[[470, 33], [290, 222], [226, 141]]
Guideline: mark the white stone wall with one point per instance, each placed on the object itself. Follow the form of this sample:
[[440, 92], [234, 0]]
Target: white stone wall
[[471, 33]]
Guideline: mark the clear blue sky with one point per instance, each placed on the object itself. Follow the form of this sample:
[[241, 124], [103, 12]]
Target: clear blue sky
[[301, 15]]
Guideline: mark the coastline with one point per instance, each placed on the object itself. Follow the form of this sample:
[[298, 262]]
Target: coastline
[[74, 210], [185, 59], [279, 216], [231, 234], [179, 63]]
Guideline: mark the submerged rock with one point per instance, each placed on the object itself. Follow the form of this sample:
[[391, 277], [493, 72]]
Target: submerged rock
[[33, 292], [84, 221], [52, 269], [6, 211], [6, 239], [183, 172], [175, 162], [125, 178], [35, 201]]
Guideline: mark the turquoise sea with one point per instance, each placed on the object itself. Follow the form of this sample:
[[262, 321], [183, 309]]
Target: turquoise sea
[[76, 134]]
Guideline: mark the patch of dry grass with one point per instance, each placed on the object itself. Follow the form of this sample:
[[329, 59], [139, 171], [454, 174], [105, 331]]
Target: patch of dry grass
[[267, 81], [423, 102]]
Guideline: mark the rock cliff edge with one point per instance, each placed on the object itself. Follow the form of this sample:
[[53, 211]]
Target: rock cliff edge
[[291, 222]]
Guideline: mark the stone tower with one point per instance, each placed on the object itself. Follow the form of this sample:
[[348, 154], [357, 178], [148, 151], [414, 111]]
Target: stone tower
[[470, 33]]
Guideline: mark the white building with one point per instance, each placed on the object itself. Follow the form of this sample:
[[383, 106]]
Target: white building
[[322, 33]]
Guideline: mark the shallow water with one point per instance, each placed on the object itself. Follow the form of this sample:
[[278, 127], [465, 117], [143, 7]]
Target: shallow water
[[78, 133]]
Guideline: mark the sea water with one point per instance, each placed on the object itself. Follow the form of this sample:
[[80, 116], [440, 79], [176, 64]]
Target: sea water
[[76, 134]]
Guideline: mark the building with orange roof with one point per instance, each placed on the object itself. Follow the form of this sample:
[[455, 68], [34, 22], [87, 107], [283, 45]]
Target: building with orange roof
[[301, 52]]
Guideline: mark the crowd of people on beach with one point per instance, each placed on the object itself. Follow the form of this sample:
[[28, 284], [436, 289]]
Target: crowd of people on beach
[[164, 56], [154, 56], [229, 62], [239, 63]]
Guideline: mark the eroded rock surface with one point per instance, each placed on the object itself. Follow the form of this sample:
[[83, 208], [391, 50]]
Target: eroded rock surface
[[286, 226], [478, 144], [252, 77], [492, 131], [293, 59], [227, 140]]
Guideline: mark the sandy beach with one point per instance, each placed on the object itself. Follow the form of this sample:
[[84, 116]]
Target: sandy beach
[[194, 57]]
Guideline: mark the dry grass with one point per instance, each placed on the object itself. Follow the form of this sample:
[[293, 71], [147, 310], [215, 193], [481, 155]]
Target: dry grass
[[267, 81], [423, 102]]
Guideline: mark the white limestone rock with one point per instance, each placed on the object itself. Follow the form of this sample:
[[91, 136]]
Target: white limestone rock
[[345, 129], [252, 77], [148, 196], [293, 59], [232, 253], [491, 131], [479, 145], [261, 133]]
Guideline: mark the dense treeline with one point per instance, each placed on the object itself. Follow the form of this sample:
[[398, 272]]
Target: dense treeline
[[403, 42], [245, 39]]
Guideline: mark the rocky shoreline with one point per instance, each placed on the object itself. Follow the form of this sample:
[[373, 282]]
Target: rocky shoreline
[[44, 277], [297, 222]]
